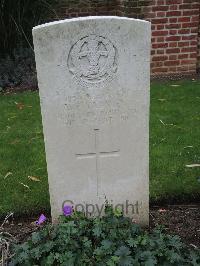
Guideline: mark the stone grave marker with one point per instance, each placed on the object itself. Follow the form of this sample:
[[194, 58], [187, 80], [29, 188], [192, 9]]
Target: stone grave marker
[[94, 81]]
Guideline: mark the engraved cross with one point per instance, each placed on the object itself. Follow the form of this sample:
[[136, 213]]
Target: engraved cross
[[97, 155], [93, 53]]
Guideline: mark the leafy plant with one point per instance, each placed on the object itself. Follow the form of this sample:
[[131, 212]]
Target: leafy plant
[[17, 19], [18, 69], [110, 240]]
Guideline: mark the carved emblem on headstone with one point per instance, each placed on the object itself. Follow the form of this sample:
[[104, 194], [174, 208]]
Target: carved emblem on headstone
[[92, 59]]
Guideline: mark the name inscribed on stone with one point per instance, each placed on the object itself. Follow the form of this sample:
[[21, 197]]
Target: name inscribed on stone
[[82, 108]]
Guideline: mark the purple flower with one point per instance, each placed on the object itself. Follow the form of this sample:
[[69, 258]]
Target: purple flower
[[41, 219], [67, 210]]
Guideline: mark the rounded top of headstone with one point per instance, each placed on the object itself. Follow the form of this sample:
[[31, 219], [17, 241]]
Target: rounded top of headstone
[[86, 19]]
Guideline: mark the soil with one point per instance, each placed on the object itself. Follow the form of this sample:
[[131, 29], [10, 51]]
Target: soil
[[182, 220]]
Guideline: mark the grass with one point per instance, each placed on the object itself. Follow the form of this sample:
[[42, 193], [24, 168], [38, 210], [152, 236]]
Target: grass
[[174, 143], [22, 154]]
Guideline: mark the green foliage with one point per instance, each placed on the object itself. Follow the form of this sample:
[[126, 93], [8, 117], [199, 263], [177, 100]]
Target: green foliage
[[18, 69], [17, 17], [110, 240]]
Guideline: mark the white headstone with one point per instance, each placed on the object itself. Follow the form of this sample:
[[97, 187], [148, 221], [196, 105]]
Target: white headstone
[[93, 75]]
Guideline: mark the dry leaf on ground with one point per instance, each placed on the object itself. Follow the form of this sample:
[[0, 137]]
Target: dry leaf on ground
[[166, 124], [9, 173], [34, 178], [192, 165], [20, 106], [175, 85], [161, 100], [24, 185]]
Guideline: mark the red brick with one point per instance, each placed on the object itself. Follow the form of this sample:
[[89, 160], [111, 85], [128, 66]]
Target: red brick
[[173, 13], [194, 30], [172, 69], [192, 68], [160, 33], [171, 2], [190, 25], [182, 56], [184, 19], [195, 5], [191, 12], [183, 44], [172, 63], [188, 49], [160, 8], [189, 37], [173, 38], [160, 27], [157, 64], [189, 1], [182, 68], [173, 50], [173, 20], [160, 58], [185, 6], [184, 31], [159, 70], [160, 39], [195, 18], [159, 45], [172, 32], [160, 2], [173, 26], [193, 43], [188, 62], [159, 20], [161, 14], [173, 44], [193, 55], [172, 57], [160, 51], [173, 7]]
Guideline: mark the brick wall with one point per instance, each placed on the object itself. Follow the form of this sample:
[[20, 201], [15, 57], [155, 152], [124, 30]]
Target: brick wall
[[174, 35], [175, 28], [78, 8]]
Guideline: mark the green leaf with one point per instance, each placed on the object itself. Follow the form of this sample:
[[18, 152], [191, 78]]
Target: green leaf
[[109, 240], [123, 251], [106, 244]]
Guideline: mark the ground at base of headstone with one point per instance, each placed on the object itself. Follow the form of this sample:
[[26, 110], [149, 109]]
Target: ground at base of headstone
[[181, 220]]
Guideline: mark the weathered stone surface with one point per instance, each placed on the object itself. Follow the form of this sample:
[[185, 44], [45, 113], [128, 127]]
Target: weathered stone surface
[[93, 77]]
